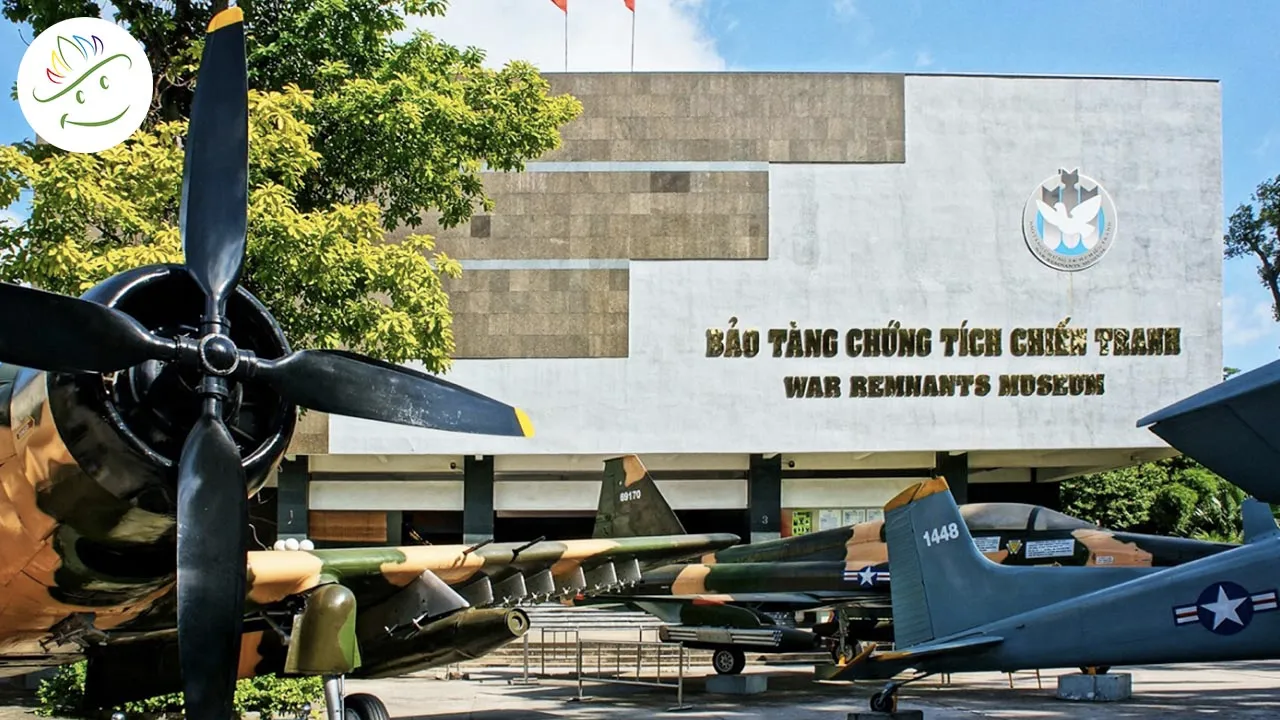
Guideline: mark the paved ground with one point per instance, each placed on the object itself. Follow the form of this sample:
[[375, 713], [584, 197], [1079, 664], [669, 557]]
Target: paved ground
[[1239, 690], [1235, 690]]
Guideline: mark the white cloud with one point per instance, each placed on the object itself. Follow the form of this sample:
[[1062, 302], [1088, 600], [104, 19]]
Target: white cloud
[[669, 34], [845, 8], [924, 59], [1245, 322]]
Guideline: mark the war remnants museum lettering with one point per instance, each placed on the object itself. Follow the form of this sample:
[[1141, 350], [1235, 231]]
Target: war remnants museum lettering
[[895, 341]]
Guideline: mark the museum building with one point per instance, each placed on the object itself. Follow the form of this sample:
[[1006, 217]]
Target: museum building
[[795, 294]]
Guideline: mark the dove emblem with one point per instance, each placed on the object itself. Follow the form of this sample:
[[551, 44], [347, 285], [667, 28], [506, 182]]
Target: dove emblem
[[1076, 225], [1069, 221]]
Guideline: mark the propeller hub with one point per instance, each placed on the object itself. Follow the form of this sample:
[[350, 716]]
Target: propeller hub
[[218, 355]]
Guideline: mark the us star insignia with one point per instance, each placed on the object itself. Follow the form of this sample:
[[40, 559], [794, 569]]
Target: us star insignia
[[1225, 608], [867, 576]]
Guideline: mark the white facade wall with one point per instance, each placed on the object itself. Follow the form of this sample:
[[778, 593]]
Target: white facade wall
[[929, 243]]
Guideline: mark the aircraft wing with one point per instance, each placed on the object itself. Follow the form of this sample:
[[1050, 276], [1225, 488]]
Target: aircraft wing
[[485, 575], [960, 646], [1232, 428], [881, 664]]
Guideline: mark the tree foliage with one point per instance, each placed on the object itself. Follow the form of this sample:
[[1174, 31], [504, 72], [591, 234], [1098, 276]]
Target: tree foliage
[[62, 695], [1253, 233], [352, 134], [1176, 496]]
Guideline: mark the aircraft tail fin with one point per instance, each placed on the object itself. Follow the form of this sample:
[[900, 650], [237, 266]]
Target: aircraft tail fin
[[1259, 523], [930, 549], [631, 504], [942, 583]]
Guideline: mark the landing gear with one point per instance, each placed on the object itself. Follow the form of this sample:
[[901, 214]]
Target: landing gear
[[363, 706], [887, 699], [360, 706], [1094, 669], [728, 662]]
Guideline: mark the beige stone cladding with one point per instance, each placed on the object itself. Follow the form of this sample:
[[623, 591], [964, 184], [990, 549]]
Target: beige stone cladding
[[659, 166]]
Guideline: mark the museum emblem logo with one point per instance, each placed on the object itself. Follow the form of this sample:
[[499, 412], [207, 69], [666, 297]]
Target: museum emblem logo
[[84, 85], [1069, 222]]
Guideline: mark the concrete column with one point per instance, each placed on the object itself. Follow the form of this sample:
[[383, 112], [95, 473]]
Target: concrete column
[[292, 498], [477, 499], [764, 492], [955, 468], [395, 519]]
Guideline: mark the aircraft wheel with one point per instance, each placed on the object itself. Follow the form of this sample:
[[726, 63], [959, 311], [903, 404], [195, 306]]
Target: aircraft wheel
[[363, 706], [728, 662], [884, 702]]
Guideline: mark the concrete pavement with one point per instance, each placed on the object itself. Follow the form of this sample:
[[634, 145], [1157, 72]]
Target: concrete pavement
[[1234, 690]]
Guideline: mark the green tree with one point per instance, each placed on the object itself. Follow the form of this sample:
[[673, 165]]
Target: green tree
[[352, 134], [1253, 233], [1116, 499], [1175, 496]]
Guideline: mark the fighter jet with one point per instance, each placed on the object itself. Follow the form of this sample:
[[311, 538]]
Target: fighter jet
[[1218, 608], [137, 420], [746, 598]]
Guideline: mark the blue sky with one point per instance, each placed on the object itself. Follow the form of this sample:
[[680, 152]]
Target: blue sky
[[1229, 40]]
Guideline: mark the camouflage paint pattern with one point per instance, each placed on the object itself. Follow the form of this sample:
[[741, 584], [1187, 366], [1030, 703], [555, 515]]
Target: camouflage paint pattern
[[56, 605]]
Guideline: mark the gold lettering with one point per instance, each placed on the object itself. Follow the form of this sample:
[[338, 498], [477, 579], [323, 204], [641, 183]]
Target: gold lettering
[[858, 386]]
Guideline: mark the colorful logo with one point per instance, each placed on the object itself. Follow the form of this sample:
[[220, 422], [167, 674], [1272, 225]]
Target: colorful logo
[[1069, 222], [84, 85]]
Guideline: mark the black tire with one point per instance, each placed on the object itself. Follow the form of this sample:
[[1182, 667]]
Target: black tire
[[363, 706], [881, 702], [728, 662]]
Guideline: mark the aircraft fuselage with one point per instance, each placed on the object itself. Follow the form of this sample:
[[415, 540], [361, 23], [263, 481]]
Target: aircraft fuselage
[[88, 477]]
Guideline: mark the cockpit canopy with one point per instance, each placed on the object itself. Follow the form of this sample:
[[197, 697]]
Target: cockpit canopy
[[1018, 516]]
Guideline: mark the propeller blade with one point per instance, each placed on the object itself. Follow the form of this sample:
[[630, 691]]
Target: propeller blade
[[59, 333], [215, 181], [343, 383], [212, 513]]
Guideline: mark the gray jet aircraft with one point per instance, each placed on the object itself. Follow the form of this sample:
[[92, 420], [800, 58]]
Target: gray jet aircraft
[[955, 611]]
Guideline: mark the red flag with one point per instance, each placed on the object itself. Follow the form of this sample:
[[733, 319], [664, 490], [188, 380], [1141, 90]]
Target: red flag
[[631, 4], [562, 4]]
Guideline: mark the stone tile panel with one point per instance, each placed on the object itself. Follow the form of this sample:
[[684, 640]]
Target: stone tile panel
[[773, 117], [540, 313], [614, 215]]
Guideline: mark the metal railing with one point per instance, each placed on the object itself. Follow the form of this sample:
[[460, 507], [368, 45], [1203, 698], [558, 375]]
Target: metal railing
[[563, 648], [618, 678]]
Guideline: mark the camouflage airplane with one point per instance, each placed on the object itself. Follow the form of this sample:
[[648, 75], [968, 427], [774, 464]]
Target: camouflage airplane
[[138, 420], [1218, 608], [745, 597]]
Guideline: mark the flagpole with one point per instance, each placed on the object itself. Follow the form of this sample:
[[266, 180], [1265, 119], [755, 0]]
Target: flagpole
[[633, 41], [566, 39]]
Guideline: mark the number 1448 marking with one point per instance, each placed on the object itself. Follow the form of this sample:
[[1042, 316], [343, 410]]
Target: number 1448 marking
[[941, 534]]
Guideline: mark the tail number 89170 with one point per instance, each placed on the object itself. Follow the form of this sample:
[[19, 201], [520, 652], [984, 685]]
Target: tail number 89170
[[941, 534]]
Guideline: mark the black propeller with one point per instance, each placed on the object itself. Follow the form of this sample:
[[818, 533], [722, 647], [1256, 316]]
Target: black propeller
[[77, 335]]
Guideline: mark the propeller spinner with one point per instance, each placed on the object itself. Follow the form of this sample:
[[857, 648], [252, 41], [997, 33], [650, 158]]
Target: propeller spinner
[[82, 336]]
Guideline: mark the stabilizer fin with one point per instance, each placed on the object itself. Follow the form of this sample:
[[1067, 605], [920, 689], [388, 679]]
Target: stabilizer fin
[[950, 647], [1259, 523], [631, 504]]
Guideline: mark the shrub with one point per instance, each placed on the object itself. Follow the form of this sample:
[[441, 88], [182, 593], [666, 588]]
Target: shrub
[[268, 695]]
